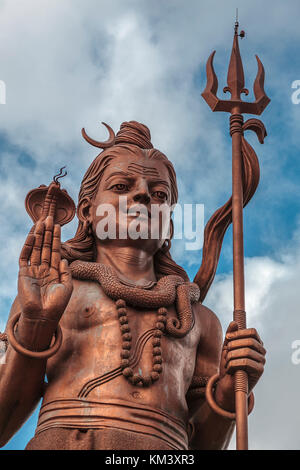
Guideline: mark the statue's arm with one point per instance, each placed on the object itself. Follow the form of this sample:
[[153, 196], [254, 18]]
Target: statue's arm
[[210, 431], [44, 290], [21, 382]]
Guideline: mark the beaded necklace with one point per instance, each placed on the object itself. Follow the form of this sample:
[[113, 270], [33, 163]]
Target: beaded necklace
[[167, 291], [128, 373]]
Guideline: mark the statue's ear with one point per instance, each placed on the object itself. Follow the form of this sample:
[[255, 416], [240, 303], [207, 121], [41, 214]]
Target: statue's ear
[[171, 229], [84, 209]]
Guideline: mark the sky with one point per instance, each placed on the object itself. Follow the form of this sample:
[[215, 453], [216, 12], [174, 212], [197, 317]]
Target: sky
[[72, 64]]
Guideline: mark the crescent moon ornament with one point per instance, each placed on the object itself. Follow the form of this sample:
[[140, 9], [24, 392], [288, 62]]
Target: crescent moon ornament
[[101, 145]]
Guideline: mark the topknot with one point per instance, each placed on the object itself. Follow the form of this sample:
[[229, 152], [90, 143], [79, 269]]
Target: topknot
[[134, 133], [131, 132]]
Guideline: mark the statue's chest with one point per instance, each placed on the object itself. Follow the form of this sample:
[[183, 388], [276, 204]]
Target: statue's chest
[[91, 311], [90, 306]]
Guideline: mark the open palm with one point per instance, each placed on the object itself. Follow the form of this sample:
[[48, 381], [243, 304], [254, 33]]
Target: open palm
[[45, 281]]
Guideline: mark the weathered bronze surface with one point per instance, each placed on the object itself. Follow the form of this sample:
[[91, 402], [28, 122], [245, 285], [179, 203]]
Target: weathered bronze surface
[[115, 324]]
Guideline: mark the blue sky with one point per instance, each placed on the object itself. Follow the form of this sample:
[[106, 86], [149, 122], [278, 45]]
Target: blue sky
[[73, 64]]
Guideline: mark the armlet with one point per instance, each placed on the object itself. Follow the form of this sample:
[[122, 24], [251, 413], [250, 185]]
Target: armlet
[[197, 387]]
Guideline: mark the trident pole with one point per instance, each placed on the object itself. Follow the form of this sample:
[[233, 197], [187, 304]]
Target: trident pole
[[239, 314], [236, 107]]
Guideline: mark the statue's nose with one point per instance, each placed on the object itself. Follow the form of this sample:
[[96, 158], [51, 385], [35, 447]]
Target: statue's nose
[[142, 198], [142, 195]]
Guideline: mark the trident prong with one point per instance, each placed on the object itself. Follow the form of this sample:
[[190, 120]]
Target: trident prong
[[235, 84]]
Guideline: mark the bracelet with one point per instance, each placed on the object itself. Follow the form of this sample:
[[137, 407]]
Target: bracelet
[[26, 352], [215, 407], [3, 337]]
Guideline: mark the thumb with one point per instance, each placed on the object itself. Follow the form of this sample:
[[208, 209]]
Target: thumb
[[233, 326], [65, 272]]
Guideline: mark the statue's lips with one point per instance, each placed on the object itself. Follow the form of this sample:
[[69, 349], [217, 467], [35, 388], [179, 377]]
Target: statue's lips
[[136, 211]]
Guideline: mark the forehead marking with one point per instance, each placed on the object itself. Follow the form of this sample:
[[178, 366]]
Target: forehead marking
[[142, 170]]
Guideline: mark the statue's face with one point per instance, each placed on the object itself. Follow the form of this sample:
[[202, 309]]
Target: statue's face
[[140, 186]]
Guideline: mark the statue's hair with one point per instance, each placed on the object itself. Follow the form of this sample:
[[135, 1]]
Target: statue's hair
[[132, 138]]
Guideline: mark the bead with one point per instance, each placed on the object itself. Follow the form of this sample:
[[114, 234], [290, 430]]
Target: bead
[[123, 320], [162, 311], [125, 328], [147, 381], [128, 372], [122, 311], [126, 345], [127, 336], [120, 303], [157, 360], [161, 319], [160, 326], [157, 368], [154, 376], [157, 334], [136, 379], [124, 363], [156, 351], [125, 354], [156, 341]]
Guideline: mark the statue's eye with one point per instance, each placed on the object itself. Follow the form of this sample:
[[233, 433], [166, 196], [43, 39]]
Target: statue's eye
[[120, 187], [161, 195]]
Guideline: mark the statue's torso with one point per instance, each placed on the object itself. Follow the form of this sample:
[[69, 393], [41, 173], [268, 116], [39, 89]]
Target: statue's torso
[[87, 366]]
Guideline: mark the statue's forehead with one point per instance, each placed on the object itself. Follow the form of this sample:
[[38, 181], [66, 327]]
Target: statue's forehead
[[138, 166]]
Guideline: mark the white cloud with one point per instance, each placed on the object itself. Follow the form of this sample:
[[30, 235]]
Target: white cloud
[[272, 304]]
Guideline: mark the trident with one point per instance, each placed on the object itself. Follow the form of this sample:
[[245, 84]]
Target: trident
[[235, 106]]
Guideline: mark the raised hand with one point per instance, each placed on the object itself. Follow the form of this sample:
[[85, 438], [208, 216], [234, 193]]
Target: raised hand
[[45, 281]]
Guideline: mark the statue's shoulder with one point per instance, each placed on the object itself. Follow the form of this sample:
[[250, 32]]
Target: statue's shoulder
[[209, 321], [85, 292]]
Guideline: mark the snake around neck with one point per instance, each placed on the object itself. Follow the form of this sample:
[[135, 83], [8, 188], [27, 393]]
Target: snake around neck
[[167, 291]]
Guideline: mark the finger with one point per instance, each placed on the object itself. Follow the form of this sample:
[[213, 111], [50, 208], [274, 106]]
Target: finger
[[252, 368], [35, 258], [65, 273], [246, 343], [47, 243], [55, 252], [245, 333], [245, 353], [26, 250]]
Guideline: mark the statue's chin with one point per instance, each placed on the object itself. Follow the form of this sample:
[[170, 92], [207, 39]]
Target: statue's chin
[[151, 246]]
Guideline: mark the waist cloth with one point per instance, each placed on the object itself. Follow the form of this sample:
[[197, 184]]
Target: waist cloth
[[78, 413]]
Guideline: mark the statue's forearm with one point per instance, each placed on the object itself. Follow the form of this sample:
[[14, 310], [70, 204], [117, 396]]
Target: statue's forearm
[[211, 431], [21, 385], [21, 381]]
